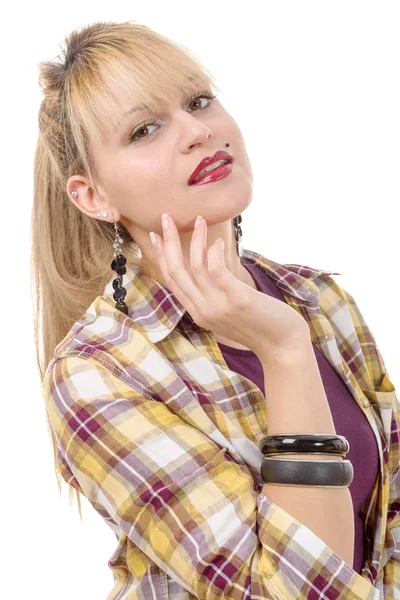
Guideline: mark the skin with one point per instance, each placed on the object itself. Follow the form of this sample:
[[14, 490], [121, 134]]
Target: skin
[[141, 180]]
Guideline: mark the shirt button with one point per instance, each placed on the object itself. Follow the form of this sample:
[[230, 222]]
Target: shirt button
[[365, 402]]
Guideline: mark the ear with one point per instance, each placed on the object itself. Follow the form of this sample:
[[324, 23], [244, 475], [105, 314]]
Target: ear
[[89, 201]]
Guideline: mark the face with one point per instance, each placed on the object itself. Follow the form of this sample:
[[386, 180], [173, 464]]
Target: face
[[144, 170]]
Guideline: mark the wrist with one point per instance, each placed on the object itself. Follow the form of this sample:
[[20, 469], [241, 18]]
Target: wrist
[[295, 352]]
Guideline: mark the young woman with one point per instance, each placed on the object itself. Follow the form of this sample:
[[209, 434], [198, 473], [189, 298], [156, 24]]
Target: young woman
[[179, 369]]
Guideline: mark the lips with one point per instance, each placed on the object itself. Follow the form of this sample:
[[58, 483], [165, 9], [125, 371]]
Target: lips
[[209, 160]]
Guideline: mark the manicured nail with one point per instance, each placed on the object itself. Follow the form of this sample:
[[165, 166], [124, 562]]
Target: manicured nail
[[165, 221], [153, 238], [197, 221]]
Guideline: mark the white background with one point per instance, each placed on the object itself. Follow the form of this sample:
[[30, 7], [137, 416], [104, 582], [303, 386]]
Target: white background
[[314, 86]]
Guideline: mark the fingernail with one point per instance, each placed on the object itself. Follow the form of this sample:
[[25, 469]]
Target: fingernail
[[197, 221], [153, 238], [165, 221]]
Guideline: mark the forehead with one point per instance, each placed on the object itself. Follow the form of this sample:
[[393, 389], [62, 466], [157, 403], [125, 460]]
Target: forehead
[[152, 97], [121, 90]]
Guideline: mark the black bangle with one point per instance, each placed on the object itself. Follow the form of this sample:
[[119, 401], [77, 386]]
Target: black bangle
[[328, 473], [317, 443]]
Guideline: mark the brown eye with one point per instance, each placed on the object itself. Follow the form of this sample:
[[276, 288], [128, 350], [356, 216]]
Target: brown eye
[[136, 134], [196, 100], [135, 137], [207, 95]]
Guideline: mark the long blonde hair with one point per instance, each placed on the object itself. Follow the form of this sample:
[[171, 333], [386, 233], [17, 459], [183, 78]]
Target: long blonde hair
[[70, 251]]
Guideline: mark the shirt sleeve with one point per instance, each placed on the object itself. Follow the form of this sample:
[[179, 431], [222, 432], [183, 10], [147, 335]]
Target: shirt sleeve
[[180, 497], [384, 395], [390, 575]]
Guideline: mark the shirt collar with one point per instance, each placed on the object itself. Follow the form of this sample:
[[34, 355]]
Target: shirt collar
[[156, 310]]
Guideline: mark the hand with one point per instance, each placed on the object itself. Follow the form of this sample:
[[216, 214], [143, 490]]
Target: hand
[[221, 303]]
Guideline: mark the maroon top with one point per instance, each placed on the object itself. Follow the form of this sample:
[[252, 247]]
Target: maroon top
[[348, 418]]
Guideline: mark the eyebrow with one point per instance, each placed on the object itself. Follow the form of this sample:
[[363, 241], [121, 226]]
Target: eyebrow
[[137, 108], [129, 112]]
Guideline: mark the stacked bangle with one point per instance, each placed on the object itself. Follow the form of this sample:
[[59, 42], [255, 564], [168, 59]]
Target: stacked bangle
[[306, 472]]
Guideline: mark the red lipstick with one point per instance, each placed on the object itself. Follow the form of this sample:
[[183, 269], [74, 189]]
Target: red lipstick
[[220, 155]]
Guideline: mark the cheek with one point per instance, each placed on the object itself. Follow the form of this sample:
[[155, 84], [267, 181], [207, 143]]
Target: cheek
[[143, 188], [238, 148], [143, 179]]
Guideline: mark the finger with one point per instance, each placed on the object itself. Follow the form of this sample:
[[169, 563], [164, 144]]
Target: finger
[[217, 270], [160, 254], [201, 260], [198, 254], [175, 271], [170, 284]]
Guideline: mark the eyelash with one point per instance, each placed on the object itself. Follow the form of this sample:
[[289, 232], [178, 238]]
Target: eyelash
[[155, 122]]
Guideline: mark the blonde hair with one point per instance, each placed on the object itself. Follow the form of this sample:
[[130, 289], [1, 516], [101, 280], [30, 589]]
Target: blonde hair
[[70, 251]]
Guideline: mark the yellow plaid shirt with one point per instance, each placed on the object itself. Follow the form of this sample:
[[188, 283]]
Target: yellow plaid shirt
[[162, 439]]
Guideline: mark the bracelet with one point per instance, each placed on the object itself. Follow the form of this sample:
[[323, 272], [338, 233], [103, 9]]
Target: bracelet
[[318, 473], [314, 443], [305, 472]]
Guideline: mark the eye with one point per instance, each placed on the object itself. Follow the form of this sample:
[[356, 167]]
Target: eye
[[135, 137], [202, 95]]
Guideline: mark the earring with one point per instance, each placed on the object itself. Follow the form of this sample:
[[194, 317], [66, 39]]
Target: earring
[[118, 265], [238, 230], [238, 234]]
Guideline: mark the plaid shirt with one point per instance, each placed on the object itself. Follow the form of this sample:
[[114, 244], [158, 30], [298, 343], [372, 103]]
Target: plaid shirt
[[162, 439]]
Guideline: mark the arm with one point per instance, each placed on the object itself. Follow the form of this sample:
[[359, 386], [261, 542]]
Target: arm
[[297, 403], [383, 394], [181, 498], [389, 574]]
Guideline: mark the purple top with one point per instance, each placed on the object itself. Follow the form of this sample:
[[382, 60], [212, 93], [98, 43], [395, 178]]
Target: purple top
[[348, 418]]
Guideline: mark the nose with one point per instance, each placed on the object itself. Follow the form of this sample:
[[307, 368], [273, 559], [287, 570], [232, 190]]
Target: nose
[[200, 137]]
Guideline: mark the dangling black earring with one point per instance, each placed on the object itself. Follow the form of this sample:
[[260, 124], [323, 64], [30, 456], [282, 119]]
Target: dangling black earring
[[238, 234], [238, 230], [118, 265]]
